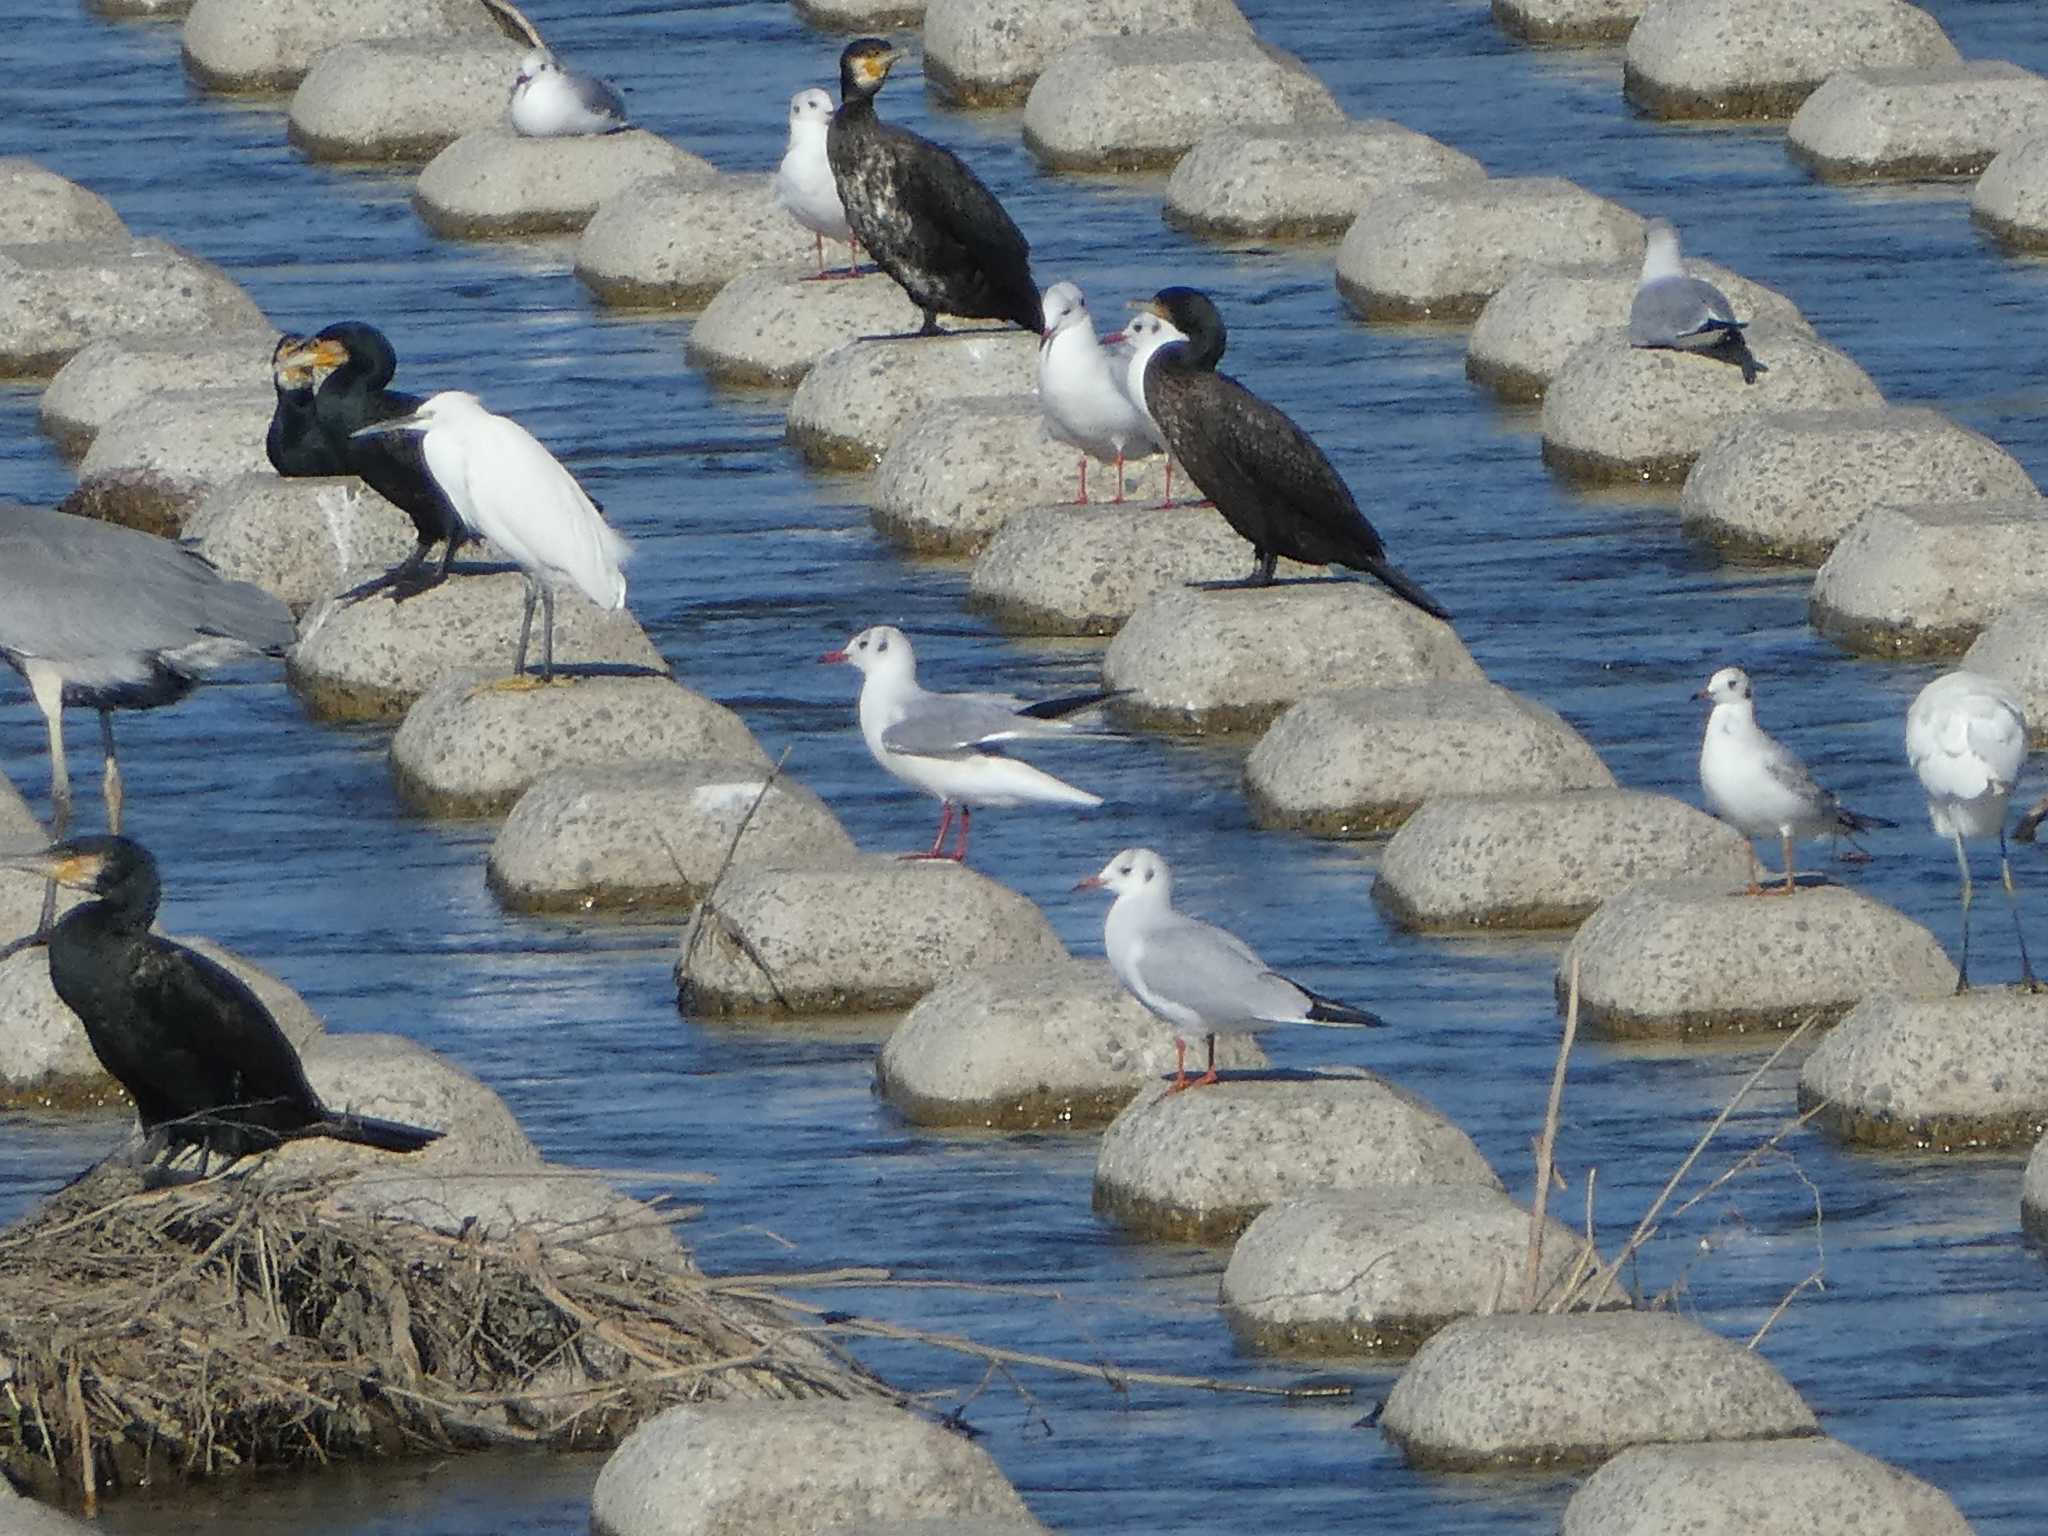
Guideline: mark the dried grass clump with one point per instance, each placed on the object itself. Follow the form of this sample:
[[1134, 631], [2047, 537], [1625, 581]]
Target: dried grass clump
[[181, 1332]]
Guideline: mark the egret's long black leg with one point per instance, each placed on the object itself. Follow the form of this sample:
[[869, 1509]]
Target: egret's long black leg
[[2012, 895], [110, 775], [1963, 968]]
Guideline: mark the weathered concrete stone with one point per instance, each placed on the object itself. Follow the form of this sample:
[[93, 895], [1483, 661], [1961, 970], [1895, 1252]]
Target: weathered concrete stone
[[674, 241], [1302, 182], [855, 934], [1199, 1166], [1063, 570], [1375, 1271], [986, 53], [495, 182], [370, 660], [269, 45], [944, 1525], [1616, 412], [1439, 252], [1544, 860], [1919, 121], [771, 325], [107, 377], [151, 466], [1925, 580], [1757, 58], [2014, 649], [1359, 761], [23, 1516], [1523, 1390], [654, 834], [957, 472], [2034, 1195], [1805, 1487], [18, 825], [403, 100], [1033, 1047], [61, 295], [1787, 485], [1934, 1073], [705, 1469], [2011, 198], [470, 750], [301, 540], [850, 407], [1139, 103], [1567, 21], [861, 15], [1653, 959], [1543, 314], [1233, 660], [38, 205]]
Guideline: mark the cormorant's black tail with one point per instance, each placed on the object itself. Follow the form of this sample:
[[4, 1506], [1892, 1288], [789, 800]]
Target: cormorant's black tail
[[1405, 588], [367, 1131], [1327, 1010], [1072, 704]]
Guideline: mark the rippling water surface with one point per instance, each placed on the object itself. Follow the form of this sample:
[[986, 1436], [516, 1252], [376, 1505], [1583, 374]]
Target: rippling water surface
[[1929, 1345]]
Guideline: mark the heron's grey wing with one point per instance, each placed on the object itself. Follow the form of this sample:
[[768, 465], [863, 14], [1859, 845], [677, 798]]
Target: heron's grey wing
[[1672, 310], [600, 99], [1214, 973], [934, 724]]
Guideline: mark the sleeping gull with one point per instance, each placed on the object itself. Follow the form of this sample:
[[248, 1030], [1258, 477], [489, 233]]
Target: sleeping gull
[[1685, 314], [950, 744], [1193, 974], [550, 102], [804, 188], [1078, 389], [1756, 785], [1966, 736]]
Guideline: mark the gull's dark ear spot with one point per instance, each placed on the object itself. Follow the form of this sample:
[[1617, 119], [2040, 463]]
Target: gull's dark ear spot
[[881, 645], [1148, 874]]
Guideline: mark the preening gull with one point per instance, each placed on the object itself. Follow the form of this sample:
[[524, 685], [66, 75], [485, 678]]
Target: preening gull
[[1686, 314]]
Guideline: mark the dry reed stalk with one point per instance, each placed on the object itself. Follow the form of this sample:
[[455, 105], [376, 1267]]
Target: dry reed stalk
[[1546, 1145]]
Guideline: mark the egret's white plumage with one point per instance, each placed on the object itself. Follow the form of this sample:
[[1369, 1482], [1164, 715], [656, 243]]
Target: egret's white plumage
[[948, 744], [507, 488], [550, 102], [1192, 974], [1756, 785], [1966, 737], [1081, 389], [804, 187]]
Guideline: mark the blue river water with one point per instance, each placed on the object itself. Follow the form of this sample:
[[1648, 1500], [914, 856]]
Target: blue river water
[[1928, 1345]]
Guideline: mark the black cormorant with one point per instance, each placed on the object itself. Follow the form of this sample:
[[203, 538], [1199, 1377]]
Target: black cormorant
[[296, 445], [924, 216], [196, 1050], [359, 362], [1265, 475]]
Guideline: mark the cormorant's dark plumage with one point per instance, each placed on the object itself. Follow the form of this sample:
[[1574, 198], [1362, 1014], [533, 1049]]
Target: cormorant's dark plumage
[[295, 443], [356, 394], [198, 1052], [1266, 476], [925, 217]]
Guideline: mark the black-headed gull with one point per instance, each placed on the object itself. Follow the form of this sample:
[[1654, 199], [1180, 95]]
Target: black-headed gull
[[1193, 974], [1682, 313], [1966, 737], [804, 188], [1757, 786], [949, 744], [550, 102], [1078, 389]]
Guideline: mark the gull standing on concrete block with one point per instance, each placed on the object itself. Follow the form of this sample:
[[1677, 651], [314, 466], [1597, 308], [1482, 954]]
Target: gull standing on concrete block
[[1757, 786], [550, 102], [1193, 974], [949, 744], [509, 489], [1684, 314], [1966, 736], [1079, 390], [804, 188]]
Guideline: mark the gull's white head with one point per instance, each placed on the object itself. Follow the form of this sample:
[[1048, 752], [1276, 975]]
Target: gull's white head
[[1730, 685], [1148, 332], [1660, 250], [880, 651], [537, 63], [1063, 306], [811, 109], [1135, 871]]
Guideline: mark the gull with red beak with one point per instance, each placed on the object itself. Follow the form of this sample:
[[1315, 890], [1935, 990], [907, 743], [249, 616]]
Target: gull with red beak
[[950, 744]]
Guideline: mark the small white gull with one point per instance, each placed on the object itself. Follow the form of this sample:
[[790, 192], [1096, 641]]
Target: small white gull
[[1966, 737], [804, 188], [1080, 390], [1135, 343], [1193, 974], [550, 102], [1684, 313], [949, 744], [1757, 786]]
